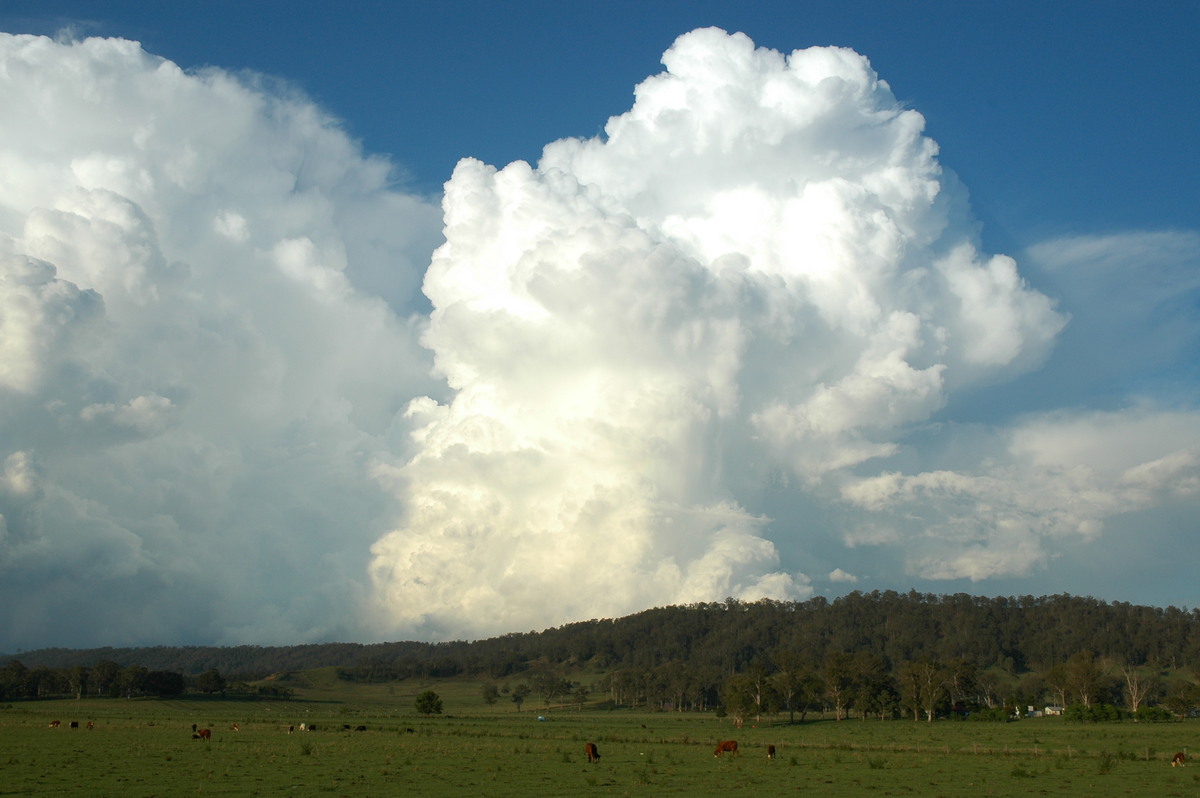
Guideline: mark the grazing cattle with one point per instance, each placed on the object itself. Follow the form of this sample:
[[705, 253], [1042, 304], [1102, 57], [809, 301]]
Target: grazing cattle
[[291, 729], [770, 752], [312, 727], [410, 731], [726, 746], [54, 724], [193, 728], [360, 728], [1177, 760], [236, 727], [203, 734], [592, 754], [91, 725], [74, 724], [303, 727]]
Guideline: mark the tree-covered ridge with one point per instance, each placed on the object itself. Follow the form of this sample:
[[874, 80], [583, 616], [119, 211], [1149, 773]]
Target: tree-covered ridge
[[1014, 634]]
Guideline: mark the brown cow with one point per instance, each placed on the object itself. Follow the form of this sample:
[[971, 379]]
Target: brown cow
[[203, 734], [54, 724], [724, 746], [593, 755], [91, 725], [1177, 761], [770, 751], [236, 727]]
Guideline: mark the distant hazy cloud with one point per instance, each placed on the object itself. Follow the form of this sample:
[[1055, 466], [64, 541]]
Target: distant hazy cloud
[[1056, 476], [207, 327]]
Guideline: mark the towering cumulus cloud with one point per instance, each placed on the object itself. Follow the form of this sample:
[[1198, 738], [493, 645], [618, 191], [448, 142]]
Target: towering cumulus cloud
[[746, 344], [190, 402], [759, 274]]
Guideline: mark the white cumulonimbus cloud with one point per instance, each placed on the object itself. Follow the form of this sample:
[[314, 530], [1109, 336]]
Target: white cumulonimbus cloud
[[190, 356], [757, 270], [727, 345]]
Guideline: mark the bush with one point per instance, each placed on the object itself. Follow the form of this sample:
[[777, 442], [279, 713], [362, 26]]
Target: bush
[[1153, 714], [1096, 713], [993, 715], [429, 703]]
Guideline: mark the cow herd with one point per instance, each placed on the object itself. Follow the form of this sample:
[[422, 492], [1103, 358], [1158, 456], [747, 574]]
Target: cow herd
[[590, 749], [723, 747], [54, 724]]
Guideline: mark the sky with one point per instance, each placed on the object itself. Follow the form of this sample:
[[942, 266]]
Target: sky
[[416, 320]]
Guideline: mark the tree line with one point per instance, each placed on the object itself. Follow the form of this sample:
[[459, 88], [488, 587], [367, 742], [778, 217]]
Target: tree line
[[866, 686], [870, 654], [109, 679]]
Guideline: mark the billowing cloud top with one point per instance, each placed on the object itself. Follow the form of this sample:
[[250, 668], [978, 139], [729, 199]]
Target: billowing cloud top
[[708, 354], [759, 269]]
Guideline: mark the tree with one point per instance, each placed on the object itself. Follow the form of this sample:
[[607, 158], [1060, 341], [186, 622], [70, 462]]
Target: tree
[[14, 680], [1059, 681], [761, 690], [838, 681], [164, 684], [990, 688], [491, 694], [210, 681], [104, 677], [132, 681], [1183, 697], [429, 703], [519, 694], [961, 681], [45, 681], [741, 697], [1140, 684], [550, 686], [922, 686], [874, 689], [796, 684], [77, 677], [1085, 677]]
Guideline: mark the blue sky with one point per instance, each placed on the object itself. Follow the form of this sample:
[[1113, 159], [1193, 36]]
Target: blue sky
[[1060, 117], [784, 370]]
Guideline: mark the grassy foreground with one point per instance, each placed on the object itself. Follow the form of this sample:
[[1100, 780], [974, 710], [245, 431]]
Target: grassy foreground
[[145, 748]]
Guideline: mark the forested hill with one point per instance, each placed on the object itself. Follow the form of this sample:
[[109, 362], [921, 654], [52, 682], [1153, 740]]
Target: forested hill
[[1014, 633]]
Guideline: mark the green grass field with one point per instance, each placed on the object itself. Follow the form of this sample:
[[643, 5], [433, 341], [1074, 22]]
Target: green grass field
[[145, 748]]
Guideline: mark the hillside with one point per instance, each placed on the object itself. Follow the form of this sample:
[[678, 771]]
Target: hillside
[[1015, 634]]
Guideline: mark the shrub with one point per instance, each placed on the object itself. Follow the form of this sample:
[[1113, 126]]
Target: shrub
[[429, 703]]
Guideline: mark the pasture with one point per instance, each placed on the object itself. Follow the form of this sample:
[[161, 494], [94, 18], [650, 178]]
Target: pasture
[[145, 748]]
